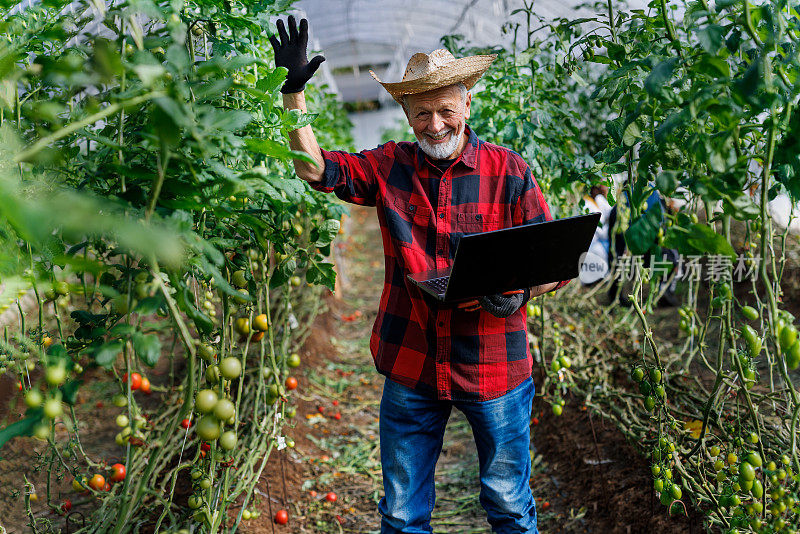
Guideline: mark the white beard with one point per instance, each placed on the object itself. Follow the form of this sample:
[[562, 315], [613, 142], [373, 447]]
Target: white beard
[[439, 151]]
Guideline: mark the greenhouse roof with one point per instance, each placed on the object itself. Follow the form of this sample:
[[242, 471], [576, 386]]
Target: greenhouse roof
[[358, 35]]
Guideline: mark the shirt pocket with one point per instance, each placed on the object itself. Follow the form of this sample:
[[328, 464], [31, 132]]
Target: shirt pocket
[[473, 222], [408, 223]]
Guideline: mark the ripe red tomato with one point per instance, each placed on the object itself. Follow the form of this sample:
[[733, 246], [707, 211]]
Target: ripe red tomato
[[312, 493], [145, 386], [335, 403], [136, 380], [19, 385], [66, 506], [97, 482], [257, 336], [330, 497], [282, 517], [186, 423], [205, 447], [337, 416], [118, 473], [291, 383]]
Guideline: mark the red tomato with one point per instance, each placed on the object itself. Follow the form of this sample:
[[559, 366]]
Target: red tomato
[[186, 423], [106, 487], [97, 482], [312, 493], [291, 383], [145, 386], [535, 420], [320, 409], [99, 404], [335, 403], [330, 497], [136, 380], [118, 473], [66, 505], [19, 385], [282, 517], [205, 447], [337, 416]]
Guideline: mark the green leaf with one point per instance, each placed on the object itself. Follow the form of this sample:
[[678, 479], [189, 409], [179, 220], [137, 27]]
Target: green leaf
[[657, 80], [321, 273], [282, 274], [327, 231], [703, 239], [711, 37], [714, 66], [631, 134], [147, 347], [642, 235], [741, 207], [20, 428], [273, 80], [268, 147], [106, 354]]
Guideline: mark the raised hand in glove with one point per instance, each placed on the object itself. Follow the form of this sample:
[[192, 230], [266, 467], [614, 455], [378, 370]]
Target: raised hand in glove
[[501, 305], [290, 52]]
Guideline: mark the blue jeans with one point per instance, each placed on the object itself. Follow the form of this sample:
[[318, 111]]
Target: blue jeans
[[412, 427]]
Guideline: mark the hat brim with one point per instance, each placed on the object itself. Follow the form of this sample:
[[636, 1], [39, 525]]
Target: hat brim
[[467, 70]]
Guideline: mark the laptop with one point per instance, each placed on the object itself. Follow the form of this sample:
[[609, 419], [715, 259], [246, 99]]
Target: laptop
[[511, 258]]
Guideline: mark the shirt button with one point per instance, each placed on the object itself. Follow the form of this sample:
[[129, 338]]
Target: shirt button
[[441, 323], [441, 215]]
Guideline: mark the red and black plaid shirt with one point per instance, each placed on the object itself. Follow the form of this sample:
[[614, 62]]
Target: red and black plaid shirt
[[432, 347]]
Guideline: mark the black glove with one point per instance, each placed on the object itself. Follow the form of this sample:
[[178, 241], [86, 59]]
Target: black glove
[[503, 306], [290, 52]]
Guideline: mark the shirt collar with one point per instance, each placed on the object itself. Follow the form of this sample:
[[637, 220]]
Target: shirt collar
[[469, 156]]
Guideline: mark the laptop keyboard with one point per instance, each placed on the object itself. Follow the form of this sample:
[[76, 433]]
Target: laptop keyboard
[[437, 284]]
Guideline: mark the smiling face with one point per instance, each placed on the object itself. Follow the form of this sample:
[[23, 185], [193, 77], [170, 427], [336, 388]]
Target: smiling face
[[438, 119]]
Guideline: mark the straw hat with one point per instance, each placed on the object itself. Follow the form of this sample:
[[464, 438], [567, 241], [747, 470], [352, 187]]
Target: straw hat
[[426, 72]]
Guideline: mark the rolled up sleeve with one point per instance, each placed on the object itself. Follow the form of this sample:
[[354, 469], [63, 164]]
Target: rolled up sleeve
[[354, 177]]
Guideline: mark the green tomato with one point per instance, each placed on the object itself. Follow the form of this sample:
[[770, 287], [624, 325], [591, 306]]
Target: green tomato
[[33, 398], [655, 376], [206, 352], [638, 374], [746, 471], [212, 374], [658, 485], [228, 440], [205, 401], [239, 279], [714, 451], [230, 368], [205, 483], [224, 410], [749, 313], [195, 502], [55, 375], [793, 356], [120, 401], [293, 360], [649, 403], [566, 363], [753, 459], [555, 365], [676, 492], [557, 410], [122, 420], [208, 428], [787, 337], [52, 408]]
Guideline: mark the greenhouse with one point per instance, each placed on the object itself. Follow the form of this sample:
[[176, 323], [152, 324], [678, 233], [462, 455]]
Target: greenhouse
[[327, 266]]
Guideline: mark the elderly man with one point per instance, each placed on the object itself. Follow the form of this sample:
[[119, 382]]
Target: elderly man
[[474, 356]]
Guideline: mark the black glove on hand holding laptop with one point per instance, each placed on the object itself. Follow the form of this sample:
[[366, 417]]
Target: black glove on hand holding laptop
[[503, 306]]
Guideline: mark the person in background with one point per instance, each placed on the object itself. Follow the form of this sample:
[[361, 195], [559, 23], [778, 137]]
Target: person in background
[[595, 266], [618, 247]]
